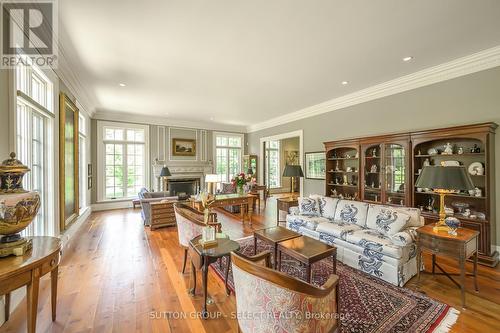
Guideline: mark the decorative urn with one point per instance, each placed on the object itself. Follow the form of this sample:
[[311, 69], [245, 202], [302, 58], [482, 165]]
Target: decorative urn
[[18, 207]]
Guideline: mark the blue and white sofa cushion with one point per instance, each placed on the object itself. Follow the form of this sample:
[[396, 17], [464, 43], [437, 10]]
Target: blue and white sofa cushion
[[308, 207], [353, 212], [387, 253], [386, 220]]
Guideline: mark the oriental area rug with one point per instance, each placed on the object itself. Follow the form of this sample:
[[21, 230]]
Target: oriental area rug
[[372, 305]]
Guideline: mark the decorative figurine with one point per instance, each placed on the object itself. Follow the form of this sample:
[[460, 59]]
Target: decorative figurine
[[478, 192], [460, 151], [373, 169], [448, 149], [427, 162], [475, 149], [419, 152], [432, 151], [430, 206], [337, 167], [374, 152], [344, 180], [373, 184]]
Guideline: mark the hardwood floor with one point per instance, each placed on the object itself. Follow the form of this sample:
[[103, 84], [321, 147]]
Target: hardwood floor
[[117, 276]]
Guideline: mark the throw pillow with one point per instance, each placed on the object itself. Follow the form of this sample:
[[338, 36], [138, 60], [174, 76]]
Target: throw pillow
[[327, 207], [414, 213], [308, 207], [353, 212], [386, 220]]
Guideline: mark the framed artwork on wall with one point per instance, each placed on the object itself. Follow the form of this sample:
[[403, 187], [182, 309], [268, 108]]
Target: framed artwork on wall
[[68, 162], [291, 157], [315, 165], [183, 147]]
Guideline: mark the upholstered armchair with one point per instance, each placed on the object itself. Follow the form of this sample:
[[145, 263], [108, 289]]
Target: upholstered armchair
[[190, 223], [269, 301]]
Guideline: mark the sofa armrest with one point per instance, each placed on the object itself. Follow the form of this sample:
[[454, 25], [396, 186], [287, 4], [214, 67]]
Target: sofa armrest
[[294, 211], [405, 237]]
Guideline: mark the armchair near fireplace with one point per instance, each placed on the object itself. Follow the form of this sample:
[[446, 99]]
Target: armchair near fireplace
[[146, 198]]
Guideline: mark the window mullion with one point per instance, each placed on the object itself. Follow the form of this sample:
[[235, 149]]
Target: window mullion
[[125, 169]]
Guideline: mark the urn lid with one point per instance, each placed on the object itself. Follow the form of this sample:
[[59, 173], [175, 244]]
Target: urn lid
[[13, 165]]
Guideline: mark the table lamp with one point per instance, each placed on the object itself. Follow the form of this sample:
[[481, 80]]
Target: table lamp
[[211, 179], [163, 177], [293, 171], [444, 180]]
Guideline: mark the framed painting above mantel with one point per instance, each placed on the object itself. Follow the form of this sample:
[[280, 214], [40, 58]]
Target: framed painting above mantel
[[183, 147], [68, 162]]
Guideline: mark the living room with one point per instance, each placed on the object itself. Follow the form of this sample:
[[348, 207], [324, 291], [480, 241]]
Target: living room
[[250, 167]]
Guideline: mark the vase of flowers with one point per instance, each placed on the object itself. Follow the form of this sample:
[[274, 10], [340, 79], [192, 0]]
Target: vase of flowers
[[242, 181]]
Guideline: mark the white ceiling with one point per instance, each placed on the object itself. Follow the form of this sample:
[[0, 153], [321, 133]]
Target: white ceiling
[[241, 62]]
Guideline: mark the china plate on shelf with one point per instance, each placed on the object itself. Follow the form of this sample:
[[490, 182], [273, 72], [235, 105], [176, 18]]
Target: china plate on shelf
[[476, 168]]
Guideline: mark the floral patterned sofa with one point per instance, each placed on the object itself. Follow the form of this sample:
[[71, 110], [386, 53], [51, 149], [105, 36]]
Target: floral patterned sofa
[[377, 239]]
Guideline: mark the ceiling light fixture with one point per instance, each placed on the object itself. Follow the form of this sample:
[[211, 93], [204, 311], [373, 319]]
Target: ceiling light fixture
[[406, 59], [344, 83], [122, 84]]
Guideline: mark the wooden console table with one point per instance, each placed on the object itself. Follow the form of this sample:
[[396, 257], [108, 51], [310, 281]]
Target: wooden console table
[[27, 270], [245, 201], [461, 247]]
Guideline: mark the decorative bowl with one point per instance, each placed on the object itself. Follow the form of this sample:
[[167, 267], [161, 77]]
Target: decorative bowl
[[453, 223]]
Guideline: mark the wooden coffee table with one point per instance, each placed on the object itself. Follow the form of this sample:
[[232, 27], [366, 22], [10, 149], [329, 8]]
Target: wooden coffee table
[[308, 251], [273, 236]]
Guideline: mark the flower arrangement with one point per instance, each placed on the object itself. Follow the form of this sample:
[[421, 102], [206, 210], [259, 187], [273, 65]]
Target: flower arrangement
[[242, 179]]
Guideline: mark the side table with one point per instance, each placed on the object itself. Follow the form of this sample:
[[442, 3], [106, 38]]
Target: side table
[[284, 204], [461, 247], [27, 270], [201, 258]]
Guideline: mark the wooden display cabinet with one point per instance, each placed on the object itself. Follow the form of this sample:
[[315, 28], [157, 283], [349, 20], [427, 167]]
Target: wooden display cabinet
[[391, 164], [386, 167], [342, 169], [470, 144]]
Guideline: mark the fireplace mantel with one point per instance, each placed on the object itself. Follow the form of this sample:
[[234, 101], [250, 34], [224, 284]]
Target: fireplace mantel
[[181, 172]]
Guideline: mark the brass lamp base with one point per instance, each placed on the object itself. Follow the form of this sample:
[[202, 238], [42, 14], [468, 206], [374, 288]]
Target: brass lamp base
[[440, 227], [17, 248]]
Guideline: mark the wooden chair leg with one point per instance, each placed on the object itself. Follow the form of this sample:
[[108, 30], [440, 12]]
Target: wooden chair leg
[[7, 306], [185, 259]]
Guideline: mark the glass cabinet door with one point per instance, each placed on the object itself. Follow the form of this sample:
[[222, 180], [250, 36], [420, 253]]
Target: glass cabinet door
[[373, 184], [395, 176]]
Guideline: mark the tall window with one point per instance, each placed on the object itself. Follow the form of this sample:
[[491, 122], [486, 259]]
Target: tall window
[[34, 134], [228, 155], [123, 152], [82, 150], [273, 176]]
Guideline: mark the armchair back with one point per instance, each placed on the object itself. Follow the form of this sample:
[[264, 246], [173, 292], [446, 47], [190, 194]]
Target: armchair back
[[261, 291], [190, 223]]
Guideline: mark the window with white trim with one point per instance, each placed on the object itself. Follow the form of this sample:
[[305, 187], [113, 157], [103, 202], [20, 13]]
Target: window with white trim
[[34, 119], [123, 154], [273, 177], [228, 155]]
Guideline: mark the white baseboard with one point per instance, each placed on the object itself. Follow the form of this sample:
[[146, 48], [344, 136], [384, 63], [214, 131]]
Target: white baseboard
[[111, 205], [17, 295]]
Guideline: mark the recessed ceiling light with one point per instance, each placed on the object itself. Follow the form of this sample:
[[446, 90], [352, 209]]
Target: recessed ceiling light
[[344, 83], [406, 59], [122, 84]]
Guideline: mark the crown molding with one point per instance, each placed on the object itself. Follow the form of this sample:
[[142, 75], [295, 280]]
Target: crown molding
[[74, 84], [164, 121], [473, 63]]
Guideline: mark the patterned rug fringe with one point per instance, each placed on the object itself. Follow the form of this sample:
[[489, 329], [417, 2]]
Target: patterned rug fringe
[[447, 322]]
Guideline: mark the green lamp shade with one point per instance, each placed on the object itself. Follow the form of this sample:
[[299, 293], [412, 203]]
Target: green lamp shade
[[165, 172], [452, 178], [293, 171]]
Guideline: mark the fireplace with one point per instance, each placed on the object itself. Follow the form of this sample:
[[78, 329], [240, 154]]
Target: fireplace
[[188, 186]]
